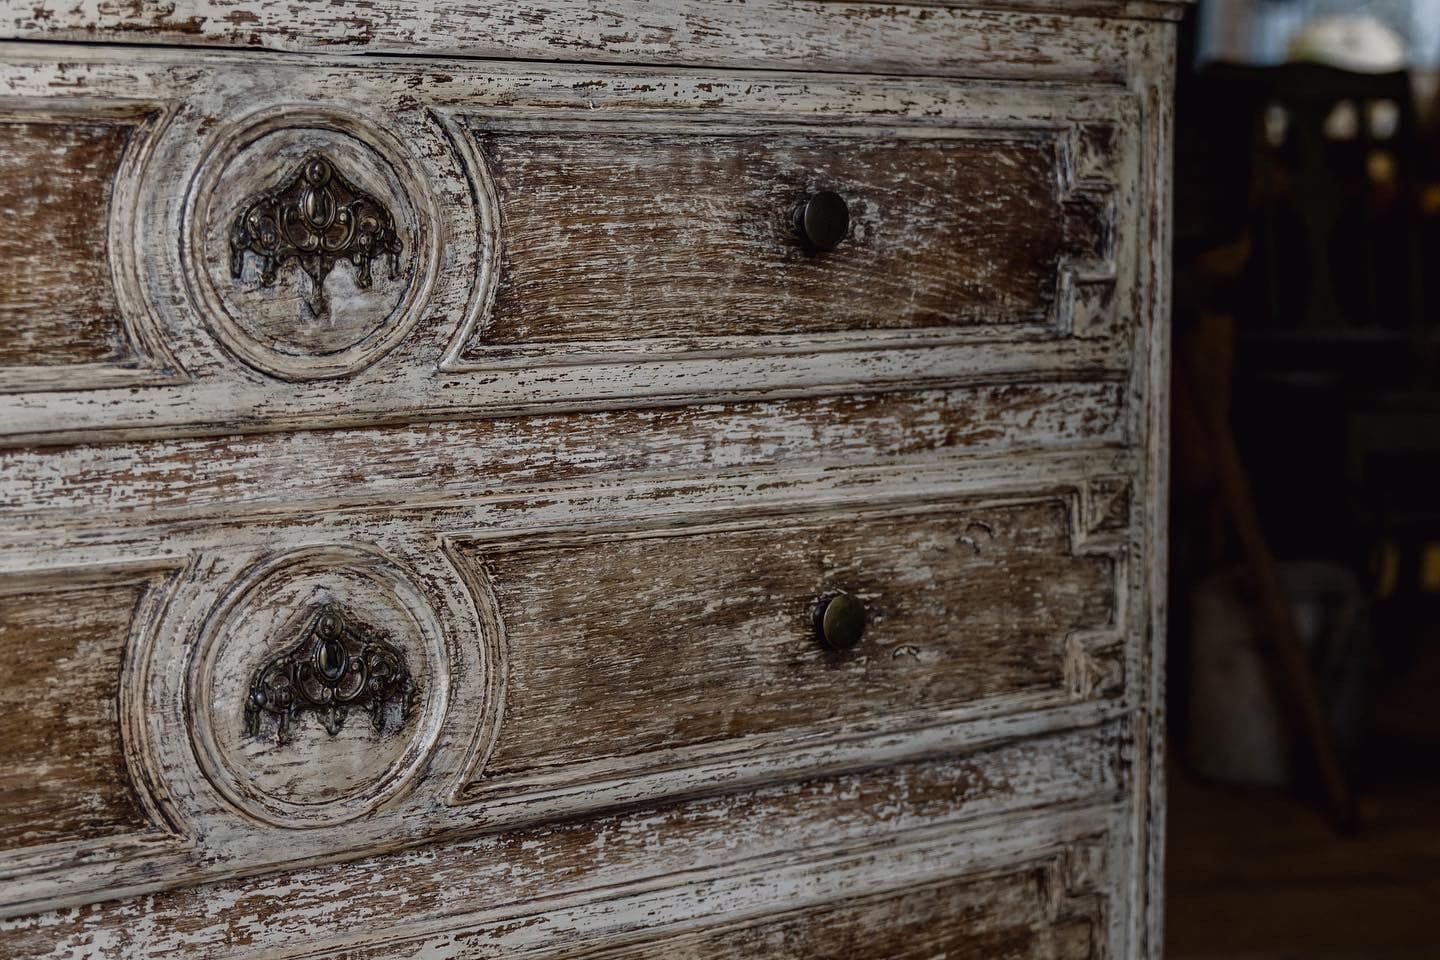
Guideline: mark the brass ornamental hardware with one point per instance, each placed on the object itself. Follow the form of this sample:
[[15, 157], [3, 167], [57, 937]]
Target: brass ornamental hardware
[[840, 621], [318, 218], [338, 665]]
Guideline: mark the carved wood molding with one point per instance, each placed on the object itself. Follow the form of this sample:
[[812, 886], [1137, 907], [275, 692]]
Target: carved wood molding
[[300, 190], [1102, 527]]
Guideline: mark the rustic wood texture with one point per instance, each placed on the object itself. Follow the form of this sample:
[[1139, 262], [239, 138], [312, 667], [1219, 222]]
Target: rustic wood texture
[[57, 302], [416, 365], [641, 236], [356, 466], [217, 556], [1009, 916], [606, 512], [1152, 379], [832, 35], [462, 898], [62, 770], [960, 606]]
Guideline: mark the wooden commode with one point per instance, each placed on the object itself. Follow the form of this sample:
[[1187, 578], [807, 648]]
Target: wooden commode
[[537, 478]]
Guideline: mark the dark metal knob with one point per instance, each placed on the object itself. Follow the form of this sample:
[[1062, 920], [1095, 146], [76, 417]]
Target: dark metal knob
[[840, 620], [823, 221]]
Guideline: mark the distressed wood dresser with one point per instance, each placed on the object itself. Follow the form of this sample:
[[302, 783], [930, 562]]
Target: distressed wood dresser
[[531, 478]]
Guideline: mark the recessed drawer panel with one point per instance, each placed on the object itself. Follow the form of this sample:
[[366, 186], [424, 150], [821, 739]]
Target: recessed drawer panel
[[58, 302], [616, 236], [1027, 913], [637, 651], [63, 774]]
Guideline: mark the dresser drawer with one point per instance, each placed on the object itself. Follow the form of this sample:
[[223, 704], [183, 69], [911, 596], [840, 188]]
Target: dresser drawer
[[359, 680], [219, 242], [648, 650], [962, 853], [613, 238]]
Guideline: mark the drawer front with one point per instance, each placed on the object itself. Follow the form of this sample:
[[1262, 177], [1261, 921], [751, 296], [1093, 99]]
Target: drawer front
[[238, 242], [260, 692], [613, 236], [646, 650], [1006, 854]]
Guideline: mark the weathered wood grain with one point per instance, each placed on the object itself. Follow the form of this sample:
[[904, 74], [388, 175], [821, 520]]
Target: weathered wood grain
[[449, 459], [962, 39], [63, 776], [218, 556], [640, 644], [57, 302], [646, 235], [392, 904], [1009, 915], [418, 112], [676, 773], [1152, 375]]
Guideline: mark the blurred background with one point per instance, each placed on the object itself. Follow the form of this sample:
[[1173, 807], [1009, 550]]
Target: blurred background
[[1305, 545]]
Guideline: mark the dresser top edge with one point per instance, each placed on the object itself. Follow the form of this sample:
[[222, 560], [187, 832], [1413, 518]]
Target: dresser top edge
[[850, 36]]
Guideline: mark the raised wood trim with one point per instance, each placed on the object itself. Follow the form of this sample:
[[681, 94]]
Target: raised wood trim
[[943, 818], [1051, 908], [1048, 39], [301, 471]]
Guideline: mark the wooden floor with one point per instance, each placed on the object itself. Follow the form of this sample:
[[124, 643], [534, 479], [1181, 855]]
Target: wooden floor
[[1258, 876]]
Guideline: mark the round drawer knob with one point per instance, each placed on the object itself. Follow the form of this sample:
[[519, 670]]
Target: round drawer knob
[[823, 221], [840, 620]]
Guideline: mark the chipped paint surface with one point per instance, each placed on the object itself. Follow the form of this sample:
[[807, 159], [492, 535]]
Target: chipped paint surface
[[1014, 38], [590, 459]]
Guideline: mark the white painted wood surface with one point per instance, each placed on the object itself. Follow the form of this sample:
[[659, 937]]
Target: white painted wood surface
[[205, 104], [1051, 39], [444, 488]]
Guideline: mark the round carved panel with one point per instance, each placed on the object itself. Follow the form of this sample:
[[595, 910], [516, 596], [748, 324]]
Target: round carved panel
[[310, 242], [320, 685]]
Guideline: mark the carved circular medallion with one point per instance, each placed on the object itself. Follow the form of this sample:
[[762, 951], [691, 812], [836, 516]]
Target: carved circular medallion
[[307, 242], [320, 685]]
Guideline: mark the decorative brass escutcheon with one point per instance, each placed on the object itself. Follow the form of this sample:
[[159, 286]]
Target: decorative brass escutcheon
[[840, 620], [336, 666], [317, 218]]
